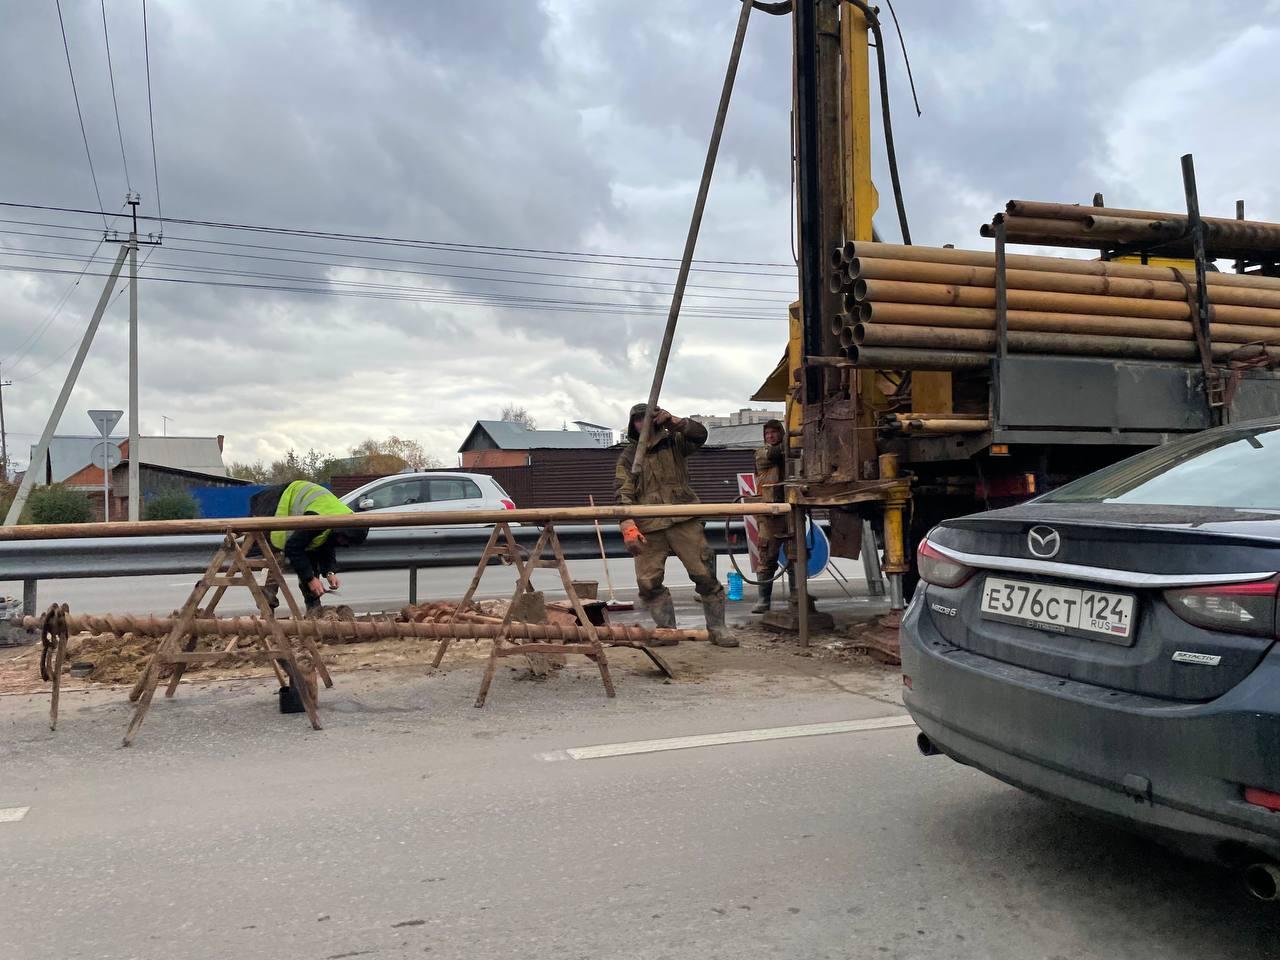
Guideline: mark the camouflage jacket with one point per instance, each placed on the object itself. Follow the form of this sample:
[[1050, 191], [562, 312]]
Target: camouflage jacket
[[770, 464], [664, 475]]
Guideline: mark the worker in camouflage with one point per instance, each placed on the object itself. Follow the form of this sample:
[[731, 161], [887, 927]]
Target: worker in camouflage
[[664, 478], [771, 459]]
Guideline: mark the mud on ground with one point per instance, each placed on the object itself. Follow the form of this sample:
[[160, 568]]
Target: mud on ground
[[763, 656]]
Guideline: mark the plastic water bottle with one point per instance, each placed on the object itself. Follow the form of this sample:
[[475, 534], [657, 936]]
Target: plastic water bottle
[[735, 585]]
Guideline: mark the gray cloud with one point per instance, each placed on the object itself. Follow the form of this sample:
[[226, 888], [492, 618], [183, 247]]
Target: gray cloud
[[565, 125]]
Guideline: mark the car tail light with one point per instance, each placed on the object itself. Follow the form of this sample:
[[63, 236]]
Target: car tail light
[[1233, 608], [939, 569], [1262, 798], [508, 504]]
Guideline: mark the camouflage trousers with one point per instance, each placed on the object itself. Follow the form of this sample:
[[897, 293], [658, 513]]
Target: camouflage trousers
[[688, 543]]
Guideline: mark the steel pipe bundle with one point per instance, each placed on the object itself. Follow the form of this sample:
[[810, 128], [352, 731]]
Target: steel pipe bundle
[[927, 308], [1072, 225], [356, 631]]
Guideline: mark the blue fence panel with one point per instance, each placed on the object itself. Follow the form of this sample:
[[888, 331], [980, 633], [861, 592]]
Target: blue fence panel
[[217, 502]]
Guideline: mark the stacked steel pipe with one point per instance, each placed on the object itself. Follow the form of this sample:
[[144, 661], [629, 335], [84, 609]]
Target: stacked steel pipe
[[929, 308], [1108, 228]]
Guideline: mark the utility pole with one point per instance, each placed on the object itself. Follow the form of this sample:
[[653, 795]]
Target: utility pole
[[129, 249], [42, 448], [135, 443], [4, 441], [164, 426]]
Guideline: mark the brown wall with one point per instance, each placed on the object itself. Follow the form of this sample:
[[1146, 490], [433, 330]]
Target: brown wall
[[569, 478], [494, 458]]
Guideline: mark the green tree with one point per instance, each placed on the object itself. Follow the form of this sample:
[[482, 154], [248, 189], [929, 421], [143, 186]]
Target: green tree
[[313, 465], [7, 492], [255, 472], [58, 504], [171, 506]]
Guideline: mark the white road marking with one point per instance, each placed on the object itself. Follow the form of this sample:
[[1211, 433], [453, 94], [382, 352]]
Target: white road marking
[[12, 814], [719, 739]]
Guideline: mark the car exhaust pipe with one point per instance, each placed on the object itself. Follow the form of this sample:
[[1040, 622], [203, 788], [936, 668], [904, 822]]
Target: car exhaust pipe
[[1263, 880], [925, 746]]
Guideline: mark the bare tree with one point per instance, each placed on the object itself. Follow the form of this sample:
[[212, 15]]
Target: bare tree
[[513, 414], [393, 455]]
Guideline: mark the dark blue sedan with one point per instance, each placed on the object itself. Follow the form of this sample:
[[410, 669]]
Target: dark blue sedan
[[1113, 644]]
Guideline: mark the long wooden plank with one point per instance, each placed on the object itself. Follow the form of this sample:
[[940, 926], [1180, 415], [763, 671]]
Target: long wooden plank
[[444, 518]]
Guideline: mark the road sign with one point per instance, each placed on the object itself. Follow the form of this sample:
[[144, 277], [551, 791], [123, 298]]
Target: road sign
[[106, 453], [105, 420], [816, 545], [748, 492]]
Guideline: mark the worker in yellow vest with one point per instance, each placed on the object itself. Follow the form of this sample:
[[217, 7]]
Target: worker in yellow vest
[[311, 553]]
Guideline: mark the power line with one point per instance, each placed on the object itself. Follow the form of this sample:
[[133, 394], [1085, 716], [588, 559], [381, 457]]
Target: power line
[[151, 117], [115, 103], [437, 295], [405, 242], [562, 306], [782, 296], [40, 329], [74, 93], [124, 285], [347, 260], [789, 275]]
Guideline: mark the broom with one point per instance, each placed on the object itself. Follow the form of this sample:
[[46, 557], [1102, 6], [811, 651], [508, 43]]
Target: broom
[[614, 603]]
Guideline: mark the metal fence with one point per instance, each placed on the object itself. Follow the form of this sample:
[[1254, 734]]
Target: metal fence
[[391, 548]]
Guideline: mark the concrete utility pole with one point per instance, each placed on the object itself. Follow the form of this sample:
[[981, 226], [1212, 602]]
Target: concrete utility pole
[[4, 440], [128, 248], [42, 448], [135, 443]]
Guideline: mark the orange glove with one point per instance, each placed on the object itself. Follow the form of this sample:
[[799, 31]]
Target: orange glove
[[632, 538]]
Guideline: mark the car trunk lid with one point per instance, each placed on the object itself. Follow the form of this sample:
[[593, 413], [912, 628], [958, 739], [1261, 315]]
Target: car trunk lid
[[1105, 556]]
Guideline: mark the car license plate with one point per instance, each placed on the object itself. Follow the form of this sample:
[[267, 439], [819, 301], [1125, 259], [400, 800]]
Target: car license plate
[[1081, 612]]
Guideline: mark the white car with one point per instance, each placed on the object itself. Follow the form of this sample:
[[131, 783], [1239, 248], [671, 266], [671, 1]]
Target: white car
[[420, 492]]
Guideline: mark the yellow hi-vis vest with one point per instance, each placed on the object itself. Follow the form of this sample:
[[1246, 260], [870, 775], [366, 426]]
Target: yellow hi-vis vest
[[303, 496]]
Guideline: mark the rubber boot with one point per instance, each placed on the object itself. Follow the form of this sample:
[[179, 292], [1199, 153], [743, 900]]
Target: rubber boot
[[713, 609], [663, 612], [765, 593]]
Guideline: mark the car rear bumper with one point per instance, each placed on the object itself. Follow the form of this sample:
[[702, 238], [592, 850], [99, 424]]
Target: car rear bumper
[[1177, 768]]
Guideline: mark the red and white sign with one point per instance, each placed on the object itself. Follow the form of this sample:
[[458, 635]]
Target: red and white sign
[[748, 490]]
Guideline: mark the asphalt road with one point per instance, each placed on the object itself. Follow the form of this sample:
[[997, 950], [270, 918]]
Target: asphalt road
[[415, 825], [367, 589]]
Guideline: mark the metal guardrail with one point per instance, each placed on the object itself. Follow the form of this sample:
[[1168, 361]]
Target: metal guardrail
[[391, 548]]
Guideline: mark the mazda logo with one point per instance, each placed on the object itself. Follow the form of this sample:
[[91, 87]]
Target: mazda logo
[[1043, 542]]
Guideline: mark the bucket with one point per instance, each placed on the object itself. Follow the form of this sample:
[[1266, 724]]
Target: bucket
[[735, 585], [290, 702]]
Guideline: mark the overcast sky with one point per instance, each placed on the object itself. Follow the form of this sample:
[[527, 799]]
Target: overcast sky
[[562, 125]]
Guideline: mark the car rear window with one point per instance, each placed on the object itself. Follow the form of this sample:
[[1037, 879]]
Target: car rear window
[[453, 489], [1235, 468]]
